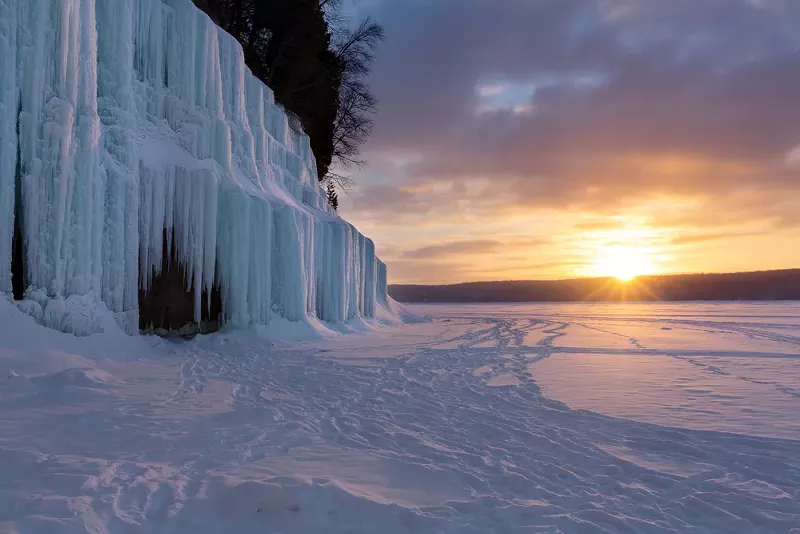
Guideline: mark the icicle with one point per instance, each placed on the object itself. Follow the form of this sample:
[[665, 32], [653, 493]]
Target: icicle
[[139, 123], [9, 102]]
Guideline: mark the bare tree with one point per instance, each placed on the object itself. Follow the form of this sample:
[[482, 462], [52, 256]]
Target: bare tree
[[317, 66], [355, 49], [342, 181]]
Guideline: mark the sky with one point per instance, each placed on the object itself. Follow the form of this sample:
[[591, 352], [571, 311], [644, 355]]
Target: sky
[[548, 139]]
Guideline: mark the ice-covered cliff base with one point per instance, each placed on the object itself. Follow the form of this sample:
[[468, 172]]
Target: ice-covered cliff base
[[138, 152]]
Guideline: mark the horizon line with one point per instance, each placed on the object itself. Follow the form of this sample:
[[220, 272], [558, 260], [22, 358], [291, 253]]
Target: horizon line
[[588, 278]]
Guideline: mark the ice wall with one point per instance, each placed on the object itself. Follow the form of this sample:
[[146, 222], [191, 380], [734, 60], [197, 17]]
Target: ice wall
[[120, 119]]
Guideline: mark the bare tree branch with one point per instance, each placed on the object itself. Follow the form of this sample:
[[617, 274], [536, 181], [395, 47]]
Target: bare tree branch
[[355, 49], [342, 181]]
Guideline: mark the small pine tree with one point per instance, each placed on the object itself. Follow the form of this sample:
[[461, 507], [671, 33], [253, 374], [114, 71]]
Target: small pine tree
[[333, 198]]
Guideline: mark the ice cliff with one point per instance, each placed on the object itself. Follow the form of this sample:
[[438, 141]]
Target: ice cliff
[[130, 129]]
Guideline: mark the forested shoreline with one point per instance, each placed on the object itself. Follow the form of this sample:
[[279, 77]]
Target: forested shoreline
[[762, 285], [316, 62]]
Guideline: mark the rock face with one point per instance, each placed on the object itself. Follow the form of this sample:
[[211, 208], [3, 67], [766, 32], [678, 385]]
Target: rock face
[[143, 167], [166, 307]]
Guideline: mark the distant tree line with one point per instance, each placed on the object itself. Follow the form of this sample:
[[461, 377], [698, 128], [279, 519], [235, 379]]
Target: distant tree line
[[316, 64], [763, 285]]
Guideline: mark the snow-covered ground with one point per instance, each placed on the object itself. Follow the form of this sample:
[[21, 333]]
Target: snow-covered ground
[[520, 418]]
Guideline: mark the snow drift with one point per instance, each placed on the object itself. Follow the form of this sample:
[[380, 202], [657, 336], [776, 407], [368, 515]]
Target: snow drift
[[131, 129]]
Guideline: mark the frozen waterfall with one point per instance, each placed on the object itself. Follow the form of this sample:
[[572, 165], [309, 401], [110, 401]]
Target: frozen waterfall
[[125, 123]]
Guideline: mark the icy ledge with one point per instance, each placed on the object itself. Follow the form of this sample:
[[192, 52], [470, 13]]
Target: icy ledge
[[123, 122]]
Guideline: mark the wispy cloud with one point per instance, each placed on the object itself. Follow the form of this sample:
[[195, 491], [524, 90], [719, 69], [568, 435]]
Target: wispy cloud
[[703, 238], [480, 246], [489, 90]]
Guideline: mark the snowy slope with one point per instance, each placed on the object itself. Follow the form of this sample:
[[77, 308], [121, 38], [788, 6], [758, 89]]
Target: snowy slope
[[124, 118], [453, 426]]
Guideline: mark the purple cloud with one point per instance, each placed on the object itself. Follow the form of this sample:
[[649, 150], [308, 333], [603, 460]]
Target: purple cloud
[[628, 98]]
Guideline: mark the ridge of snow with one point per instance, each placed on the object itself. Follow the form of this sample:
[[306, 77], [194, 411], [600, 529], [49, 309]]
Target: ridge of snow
[[131, 117]]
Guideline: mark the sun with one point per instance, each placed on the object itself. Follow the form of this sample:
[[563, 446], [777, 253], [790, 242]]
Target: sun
[[623, 262]]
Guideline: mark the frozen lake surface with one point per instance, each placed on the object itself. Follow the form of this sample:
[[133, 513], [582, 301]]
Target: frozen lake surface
[[485, 419]]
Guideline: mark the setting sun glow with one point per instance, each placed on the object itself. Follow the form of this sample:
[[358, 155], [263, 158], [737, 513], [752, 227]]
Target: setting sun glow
[[623, 262]]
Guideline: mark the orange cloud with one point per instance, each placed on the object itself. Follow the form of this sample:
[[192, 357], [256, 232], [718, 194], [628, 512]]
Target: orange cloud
[[665, 124]]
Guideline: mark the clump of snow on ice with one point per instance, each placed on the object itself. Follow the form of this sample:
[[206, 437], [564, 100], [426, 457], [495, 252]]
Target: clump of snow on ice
[[32, 308], [77, 314], [84, 378], [12, 384]]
